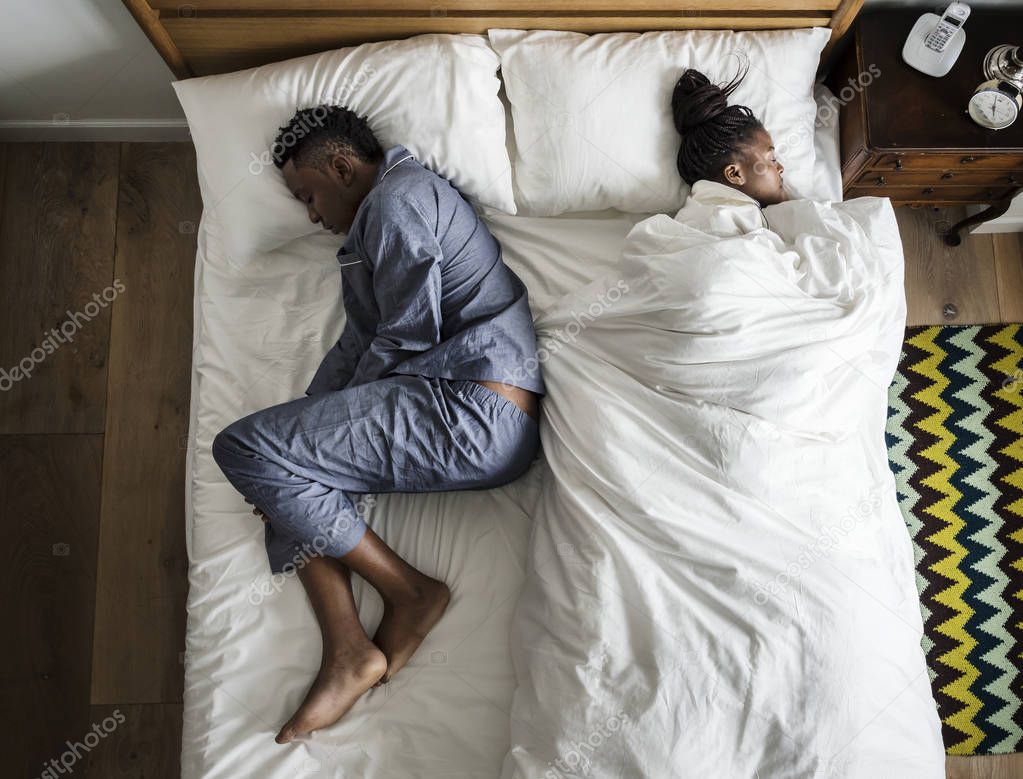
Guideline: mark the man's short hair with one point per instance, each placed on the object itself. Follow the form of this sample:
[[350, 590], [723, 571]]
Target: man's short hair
[[315, 134]]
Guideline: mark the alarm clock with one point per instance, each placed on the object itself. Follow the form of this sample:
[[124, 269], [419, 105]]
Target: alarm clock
[[996, 104]]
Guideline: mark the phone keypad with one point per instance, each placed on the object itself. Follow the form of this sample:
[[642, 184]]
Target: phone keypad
[[939, 37]]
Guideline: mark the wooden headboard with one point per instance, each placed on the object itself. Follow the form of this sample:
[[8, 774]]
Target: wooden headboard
[[201, 37]]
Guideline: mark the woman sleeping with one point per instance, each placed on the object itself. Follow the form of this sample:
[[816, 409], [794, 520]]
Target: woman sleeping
[[720, 580]]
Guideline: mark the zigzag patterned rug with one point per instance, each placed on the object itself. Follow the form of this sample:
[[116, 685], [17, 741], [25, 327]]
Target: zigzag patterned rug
[[955, 443]]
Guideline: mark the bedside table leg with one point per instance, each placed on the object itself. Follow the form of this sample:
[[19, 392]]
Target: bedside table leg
[[995, 210]]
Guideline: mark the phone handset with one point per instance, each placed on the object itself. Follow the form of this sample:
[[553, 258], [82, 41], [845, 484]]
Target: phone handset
[[950, 22]]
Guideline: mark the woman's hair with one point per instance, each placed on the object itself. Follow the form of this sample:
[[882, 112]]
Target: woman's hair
[[712, 131]]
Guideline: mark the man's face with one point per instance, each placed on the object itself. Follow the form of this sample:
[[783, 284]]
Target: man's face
[[330, 194]]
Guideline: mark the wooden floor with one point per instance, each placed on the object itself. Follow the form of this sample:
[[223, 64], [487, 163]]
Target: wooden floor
[[91, 453], [92, 445]]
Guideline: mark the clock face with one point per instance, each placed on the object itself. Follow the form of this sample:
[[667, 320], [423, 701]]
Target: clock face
[[993, 109]]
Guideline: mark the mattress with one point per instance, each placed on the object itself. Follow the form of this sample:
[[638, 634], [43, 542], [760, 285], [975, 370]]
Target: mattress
[[261, 326]]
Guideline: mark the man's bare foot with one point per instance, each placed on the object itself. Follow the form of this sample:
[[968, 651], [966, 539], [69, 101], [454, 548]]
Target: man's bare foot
[[343, 678], [407, 621]]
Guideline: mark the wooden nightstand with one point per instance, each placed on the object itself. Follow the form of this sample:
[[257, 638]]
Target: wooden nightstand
[[907, 136]]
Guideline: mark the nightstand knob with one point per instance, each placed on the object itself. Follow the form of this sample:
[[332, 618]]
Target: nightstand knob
[[970, 158], [929, 191], [898, 164], [947, 175], [880, 181]]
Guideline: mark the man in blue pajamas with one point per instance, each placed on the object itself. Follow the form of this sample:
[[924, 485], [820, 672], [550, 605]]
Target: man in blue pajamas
[[412, 398]]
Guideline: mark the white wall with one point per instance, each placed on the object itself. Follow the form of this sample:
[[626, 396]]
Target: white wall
[[82, 69]]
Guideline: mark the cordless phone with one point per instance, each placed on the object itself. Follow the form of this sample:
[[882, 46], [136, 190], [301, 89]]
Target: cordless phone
[[935, 41]]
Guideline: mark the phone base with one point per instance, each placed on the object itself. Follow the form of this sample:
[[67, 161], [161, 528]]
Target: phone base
[[933, 63]]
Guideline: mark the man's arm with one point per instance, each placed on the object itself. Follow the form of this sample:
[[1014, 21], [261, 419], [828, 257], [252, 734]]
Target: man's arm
[[405, 255], [338, 364]]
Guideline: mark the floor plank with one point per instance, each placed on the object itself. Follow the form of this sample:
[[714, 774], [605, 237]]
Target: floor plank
[[141, 741], [57, 220], [3, 174], [140, 602], [49, 510], [938, 275], [1009, 270], [986, 767]]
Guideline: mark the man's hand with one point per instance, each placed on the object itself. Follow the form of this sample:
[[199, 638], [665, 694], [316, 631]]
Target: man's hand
[[257, 511]]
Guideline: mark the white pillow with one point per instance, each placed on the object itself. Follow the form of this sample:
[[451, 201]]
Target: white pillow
[[592, 113], [435, 94]]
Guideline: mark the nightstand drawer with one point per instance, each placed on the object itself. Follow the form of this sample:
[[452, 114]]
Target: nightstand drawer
[[949, 161], [943, 178], [931, 194]]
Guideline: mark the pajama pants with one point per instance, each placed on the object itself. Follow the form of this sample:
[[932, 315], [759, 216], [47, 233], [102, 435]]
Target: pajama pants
[[305, 463]]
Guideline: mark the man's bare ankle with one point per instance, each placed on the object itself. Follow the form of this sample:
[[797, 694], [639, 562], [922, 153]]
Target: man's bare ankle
[[422, 589], [344, 652]]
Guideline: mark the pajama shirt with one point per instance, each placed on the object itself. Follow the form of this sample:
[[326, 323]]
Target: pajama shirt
[[431, 309]]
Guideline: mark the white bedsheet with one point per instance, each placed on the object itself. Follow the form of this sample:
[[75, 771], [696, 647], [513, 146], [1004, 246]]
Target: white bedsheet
[[720, 580], [261, 326]]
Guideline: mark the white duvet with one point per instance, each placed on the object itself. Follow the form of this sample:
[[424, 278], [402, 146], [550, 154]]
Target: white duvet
[[720, 583]]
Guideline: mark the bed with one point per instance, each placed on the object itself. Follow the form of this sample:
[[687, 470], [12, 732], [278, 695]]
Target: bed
[[252, 643], [453, 707]]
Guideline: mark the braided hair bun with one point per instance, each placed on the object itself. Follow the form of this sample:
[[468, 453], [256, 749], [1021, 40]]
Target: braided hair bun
[[713, 132]]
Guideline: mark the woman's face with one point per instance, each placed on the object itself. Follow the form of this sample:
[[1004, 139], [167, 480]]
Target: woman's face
[[758, 173]]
